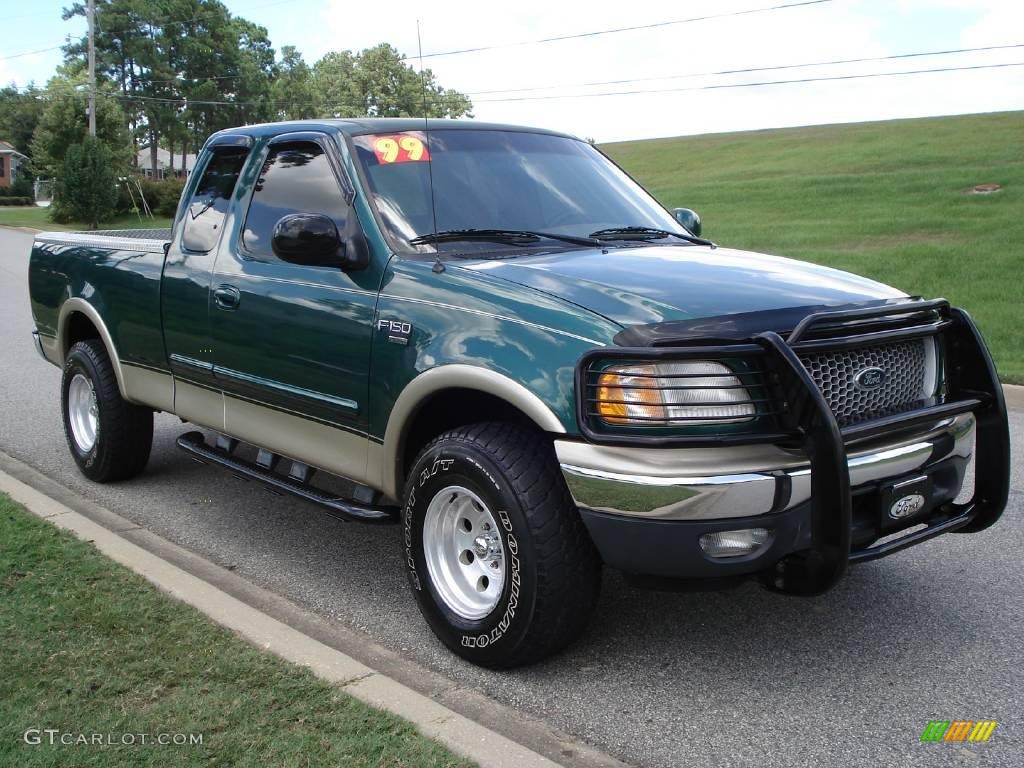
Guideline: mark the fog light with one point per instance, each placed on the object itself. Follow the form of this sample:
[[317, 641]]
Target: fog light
[[734, 543]]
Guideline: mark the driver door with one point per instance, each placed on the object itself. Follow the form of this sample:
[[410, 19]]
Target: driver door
[[291, 342]]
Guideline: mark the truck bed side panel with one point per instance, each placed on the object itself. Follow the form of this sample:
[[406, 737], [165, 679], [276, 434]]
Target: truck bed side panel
[[120, 280]]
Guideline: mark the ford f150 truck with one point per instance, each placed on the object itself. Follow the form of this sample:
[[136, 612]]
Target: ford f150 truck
[[507, 347]]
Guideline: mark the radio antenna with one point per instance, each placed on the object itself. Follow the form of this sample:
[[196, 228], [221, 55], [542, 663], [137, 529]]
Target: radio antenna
[[438, 266]]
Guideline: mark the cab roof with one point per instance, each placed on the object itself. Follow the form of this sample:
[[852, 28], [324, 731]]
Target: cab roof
[[356, 126]]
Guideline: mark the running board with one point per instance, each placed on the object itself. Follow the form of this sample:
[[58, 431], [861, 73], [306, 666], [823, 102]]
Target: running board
[[195, 445]]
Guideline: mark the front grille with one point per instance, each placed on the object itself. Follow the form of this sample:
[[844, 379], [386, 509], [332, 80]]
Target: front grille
[[909, 380]]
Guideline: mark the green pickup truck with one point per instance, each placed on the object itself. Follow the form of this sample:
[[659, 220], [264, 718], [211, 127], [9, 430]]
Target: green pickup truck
[[495, 338]]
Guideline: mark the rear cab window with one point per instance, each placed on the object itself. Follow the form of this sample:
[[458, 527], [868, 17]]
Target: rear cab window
[[204, 219]]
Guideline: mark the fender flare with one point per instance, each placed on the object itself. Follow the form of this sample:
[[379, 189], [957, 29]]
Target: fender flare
[[73, 305], [454, 376]]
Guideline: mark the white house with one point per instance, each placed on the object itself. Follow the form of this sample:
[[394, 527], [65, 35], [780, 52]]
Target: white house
[[163, 163]]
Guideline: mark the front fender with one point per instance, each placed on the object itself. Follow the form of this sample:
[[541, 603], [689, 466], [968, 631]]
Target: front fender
[[454, 376], [470, 331]]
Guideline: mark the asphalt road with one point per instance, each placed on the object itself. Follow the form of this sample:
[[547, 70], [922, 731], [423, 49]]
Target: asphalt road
[[737, 678]]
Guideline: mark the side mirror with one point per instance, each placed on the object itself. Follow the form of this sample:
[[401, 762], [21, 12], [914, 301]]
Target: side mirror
[[689, 219], [312, 239], [308, 238]]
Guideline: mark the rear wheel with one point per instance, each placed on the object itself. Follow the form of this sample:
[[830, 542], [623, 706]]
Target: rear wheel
[[499, 560], [109, 438]]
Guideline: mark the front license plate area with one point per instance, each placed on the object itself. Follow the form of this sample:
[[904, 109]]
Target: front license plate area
[[905, 501]]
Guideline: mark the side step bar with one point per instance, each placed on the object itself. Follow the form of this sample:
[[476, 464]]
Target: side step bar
[[195, 445]]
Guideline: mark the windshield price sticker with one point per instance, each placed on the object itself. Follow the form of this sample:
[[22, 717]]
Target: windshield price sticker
[[402, 148]]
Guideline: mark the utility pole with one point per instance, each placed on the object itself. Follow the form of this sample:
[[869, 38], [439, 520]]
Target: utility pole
[[92, 67]]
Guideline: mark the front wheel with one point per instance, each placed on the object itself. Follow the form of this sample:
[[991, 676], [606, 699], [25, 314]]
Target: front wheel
[[499, 560], [109, 438]]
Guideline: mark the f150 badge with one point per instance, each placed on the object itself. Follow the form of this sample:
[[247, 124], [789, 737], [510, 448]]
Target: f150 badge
[[398, 331]]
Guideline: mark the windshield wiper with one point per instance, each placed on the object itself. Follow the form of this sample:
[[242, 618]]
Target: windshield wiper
[[510, 236], [645, 233]]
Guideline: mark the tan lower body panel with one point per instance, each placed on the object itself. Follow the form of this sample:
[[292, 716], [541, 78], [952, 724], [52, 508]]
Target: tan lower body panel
[[319, 445], [147, 387], [375, 474], [198, 405], [51, 350]]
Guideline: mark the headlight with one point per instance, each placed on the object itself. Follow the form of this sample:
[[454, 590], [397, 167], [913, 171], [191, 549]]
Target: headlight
[[661, 394]]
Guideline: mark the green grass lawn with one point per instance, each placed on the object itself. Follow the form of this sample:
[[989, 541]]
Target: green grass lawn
[[37, 218], [885, 200], [90, 647]]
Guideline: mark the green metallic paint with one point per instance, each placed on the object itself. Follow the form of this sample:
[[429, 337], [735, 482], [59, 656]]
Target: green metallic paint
[[641, 284], [123, 286], [459, 316], [300, 337], [304, 341], [185, 298]]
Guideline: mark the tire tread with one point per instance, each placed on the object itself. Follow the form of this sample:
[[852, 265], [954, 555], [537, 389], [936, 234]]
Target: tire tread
[[568, 564], [126, 428]]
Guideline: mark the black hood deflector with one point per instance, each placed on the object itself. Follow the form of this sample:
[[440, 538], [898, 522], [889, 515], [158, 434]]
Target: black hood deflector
[[741, 326]]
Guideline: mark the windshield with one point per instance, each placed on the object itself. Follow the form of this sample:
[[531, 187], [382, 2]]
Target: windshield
[[508, 180]]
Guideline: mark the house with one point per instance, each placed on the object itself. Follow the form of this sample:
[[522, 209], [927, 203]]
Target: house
[[163, 163], [10, 160]]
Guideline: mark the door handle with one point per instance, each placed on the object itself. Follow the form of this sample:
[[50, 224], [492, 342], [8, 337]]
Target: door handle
[[227, 297]]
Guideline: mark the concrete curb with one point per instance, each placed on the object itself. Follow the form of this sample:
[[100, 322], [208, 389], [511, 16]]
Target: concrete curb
[[1014, 394], [461, 734]]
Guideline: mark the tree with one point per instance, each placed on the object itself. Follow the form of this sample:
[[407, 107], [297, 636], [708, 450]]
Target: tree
[[86, 188], [334, 84], [254, 65], [19, 114], [65, 121], [183, 69], [377, 82], [292, 89]]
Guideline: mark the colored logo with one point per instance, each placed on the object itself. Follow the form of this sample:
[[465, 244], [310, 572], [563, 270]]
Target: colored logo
[[958, 730], [870, 378], [906, 506]]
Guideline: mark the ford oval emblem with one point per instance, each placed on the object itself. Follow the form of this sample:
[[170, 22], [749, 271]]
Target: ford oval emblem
[[870, 378], [907, 506]]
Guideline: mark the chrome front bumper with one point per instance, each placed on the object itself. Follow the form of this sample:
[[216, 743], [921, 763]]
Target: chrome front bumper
[[735, 481]]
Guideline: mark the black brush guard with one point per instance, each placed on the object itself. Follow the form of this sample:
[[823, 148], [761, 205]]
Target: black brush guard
[[805, 418]]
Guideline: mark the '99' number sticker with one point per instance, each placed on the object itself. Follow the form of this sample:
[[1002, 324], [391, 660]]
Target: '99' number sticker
[[401, 148]]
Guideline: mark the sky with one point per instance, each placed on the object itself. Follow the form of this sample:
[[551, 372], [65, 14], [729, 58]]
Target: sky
[[671, 60]]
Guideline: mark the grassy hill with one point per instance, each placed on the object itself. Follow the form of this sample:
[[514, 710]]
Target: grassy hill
[[886, 200]]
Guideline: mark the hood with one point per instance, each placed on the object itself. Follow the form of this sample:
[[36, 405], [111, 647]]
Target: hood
[[654, 284]]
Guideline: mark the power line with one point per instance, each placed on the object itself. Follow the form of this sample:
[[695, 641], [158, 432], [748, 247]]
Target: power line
[[759, 84], [752, 85], [692, 75], [616, 30], [147, 81], [32, 53], [749, 70], [557, 38]]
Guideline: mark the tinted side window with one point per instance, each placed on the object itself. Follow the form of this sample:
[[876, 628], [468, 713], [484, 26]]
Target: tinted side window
[[296, 178], [209, 205]]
